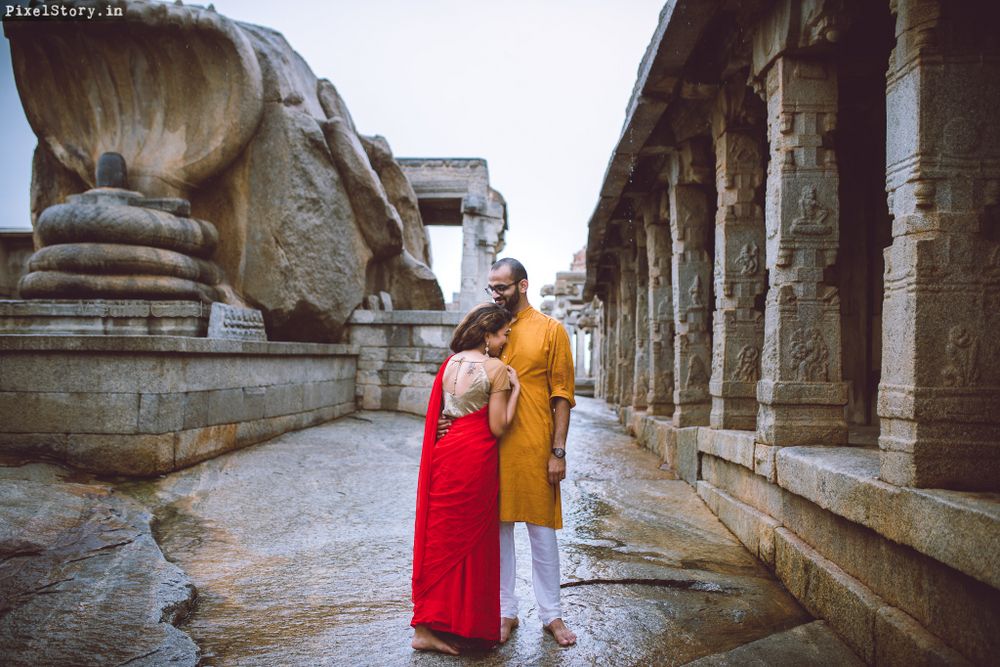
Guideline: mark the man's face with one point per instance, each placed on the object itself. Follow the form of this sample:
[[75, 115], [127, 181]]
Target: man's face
[[503, 289]]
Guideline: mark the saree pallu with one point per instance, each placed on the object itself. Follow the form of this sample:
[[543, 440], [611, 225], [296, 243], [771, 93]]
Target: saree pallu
[[456, 544]]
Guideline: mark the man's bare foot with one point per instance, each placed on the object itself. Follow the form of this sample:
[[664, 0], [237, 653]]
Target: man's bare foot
[[424, 639], [507, 626], [563, 635]]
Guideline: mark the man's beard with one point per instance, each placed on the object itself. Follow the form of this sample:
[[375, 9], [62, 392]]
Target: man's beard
[[510, 305]]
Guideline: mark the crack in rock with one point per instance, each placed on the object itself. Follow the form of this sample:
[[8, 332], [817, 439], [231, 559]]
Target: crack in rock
[[681, 584]]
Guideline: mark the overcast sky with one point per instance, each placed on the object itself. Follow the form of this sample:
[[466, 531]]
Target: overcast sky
[[538, 88]]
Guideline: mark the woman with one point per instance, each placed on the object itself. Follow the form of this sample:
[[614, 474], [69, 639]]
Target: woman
[[456, 550]]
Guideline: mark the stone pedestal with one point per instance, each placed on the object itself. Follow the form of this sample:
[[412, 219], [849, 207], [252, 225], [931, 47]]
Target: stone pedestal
[[801, 394], [739, 260], [660, 400], [101, 317], [691, 268], [939, 396]]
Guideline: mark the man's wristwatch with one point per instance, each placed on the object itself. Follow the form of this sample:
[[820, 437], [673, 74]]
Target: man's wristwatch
[[558, 452]]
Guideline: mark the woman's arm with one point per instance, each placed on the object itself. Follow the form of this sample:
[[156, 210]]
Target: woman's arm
[[503, 403], [498, 412]]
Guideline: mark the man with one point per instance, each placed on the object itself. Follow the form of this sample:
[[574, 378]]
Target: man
[[533, 450]]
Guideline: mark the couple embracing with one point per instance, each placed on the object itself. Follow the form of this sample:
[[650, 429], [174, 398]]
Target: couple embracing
[[493, 454]]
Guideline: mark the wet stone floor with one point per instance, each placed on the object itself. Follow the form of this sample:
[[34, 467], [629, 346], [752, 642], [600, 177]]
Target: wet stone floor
[[300, 550]]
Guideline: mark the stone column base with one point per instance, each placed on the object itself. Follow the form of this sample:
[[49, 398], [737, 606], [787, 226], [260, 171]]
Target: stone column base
[[736, 413], [940, 437], [691, 414], [801, 413]]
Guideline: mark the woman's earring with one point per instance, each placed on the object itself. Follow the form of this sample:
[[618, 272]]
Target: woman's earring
[[487, 348]]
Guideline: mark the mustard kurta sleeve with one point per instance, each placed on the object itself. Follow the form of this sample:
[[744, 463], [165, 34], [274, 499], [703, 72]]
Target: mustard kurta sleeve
[[561, 372]]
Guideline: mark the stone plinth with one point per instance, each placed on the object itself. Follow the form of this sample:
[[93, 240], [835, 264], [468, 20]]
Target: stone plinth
[[400, 352], [147, 405], [104, 317], [908, 575]]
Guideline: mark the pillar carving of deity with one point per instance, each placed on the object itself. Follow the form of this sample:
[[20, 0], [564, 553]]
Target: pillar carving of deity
[[626, 324], [660, 399], [691, 269], [801, 396], [939, 395], [641, 376], [740, 276]]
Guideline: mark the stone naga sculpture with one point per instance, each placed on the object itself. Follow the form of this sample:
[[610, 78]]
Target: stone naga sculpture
[[310, 216]]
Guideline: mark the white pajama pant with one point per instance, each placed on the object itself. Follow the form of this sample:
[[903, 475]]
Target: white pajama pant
[[544, 571]]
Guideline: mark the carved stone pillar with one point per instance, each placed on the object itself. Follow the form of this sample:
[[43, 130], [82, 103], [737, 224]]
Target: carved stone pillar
[[610, 347], [690, 223], [626, 326], [800, 393], [660, 399], [640, 382], [939, 396], [739, 258], [580, 339]]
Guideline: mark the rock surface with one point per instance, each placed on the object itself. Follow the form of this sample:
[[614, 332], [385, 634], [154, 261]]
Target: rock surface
[[82, 580], [301, 550]]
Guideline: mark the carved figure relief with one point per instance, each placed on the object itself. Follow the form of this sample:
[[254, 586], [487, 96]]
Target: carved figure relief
[[748, 260], [697, 300], [810, 356], [697, 375], [748, 368], [961, 352], [812, 221]]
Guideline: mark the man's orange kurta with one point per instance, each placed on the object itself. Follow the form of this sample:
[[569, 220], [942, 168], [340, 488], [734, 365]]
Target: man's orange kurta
[[539, 350]]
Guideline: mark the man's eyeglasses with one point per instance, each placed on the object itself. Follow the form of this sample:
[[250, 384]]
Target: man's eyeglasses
[[496, 289]]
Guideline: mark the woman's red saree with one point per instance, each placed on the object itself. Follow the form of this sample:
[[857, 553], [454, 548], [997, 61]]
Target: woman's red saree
[[456, 543]]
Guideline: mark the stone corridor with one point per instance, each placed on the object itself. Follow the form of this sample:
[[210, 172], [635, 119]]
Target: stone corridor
[[300, 552]]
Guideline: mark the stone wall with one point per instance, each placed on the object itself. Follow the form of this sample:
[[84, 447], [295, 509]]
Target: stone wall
[[142, 406], [399, 353]]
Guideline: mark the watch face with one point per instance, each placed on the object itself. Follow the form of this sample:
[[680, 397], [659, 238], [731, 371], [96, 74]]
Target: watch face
[[558, 452]]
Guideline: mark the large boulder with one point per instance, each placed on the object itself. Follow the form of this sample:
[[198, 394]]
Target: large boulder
[[83, 582], [311, 216]]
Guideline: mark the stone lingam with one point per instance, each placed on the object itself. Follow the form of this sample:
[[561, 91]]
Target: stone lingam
[[213, 120], [113, 261]]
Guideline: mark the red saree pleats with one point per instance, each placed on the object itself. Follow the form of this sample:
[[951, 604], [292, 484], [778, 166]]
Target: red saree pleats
[[456, 544]]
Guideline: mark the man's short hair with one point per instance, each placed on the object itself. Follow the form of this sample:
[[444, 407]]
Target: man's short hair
[[517, 270]]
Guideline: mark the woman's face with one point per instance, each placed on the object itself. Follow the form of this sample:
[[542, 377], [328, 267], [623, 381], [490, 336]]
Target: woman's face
[[497, 340]]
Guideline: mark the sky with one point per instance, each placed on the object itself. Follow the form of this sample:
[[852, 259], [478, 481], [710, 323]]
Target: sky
[[537, 88]]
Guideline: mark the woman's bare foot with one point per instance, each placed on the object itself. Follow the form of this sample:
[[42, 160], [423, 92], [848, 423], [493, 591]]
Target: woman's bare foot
[[424, 639], [563, 635], [507, 626]]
